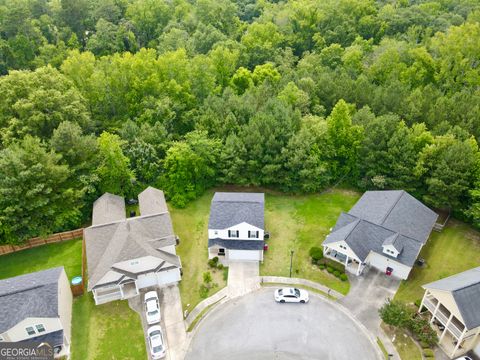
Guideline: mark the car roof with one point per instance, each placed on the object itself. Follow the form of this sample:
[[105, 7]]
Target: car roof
[[152, 305], [157, 340]]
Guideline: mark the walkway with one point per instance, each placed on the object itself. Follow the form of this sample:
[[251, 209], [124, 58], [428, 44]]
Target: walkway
[[368, 293]]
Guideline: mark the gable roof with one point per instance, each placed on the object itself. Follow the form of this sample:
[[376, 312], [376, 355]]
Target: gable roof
[[395, 241], [152, 201], [465, 289], [398, 211], [228, 209], [111, 247], [30, 295], [108, 208]]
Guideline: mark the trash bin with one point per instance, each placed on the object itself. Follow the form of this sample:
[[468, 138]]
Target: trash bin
[[265, 247], [77, 286]]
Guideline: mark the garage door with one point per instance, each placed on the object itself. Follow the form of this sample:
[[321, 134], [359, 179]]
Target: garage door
[[244, 255], [144, 281]]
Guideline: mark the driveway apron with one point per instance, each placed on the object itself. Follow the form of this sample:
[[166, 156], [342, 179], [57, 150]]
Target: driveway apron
[[242, 278]]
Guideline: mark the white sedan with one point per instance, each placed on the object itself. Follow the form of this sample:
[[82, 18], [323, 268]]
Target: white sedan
[[152, 307], [291, 295], [156, 343]]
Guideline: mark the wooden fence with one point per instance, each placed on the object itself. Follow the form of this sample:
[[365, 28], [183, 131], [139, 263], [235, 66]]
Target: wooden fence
[[38, 241]]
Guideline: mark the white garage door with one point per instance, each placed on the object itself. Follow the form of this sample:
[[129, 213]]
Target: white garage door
[[147, 280], [244, 255]]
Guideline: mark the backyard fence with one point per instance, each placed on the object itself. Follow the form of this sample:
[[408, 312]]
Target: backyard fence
[[39, 241]]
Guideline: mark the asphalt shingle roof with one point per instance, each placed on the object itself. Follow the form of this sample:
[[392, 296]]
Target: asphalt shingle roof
[[108, 208], [465, 289], [236, 244], [152, 201], [30, 295], [229, 209], [53, 338], [385, 218]]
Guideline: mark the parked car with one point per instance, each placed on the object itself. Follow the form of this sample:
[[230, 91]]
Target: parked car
[[464, 358], [291, 295], [152, 307], [156, 343]]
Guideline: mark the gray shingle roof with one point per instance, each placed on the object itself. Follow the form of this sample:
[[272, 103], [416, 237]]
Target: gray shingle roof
[[152, 201], [237, 244], [229, 209], [30, 295], [108, 208], [132, 238], [465, 288], [398, 211], [395, 241], [53, 338]]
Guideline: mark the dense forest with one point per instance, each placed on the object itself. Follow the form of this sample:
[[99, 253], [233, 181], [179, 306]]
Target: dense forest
[[297, 95]]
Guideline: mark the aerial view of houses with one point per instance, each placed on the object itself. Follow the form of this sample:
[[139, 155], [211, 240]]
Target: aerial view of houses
[[239, 179]]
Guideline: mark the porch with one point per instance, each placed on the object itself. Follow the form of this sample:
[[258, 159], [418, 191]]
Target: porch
[[351, 265], [106, 294]]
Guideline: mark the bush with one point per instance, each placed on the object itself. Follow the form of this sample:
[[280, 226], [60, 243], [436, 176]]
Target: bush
[[424, 345], [336, 273], [207, 277], [220, 266], [422, 330], [395, 313], [343, 277], [428, 353], [322, 266], [225, 273], [316, 253], [213, 262], [418, 302], [330, 269], [203, 291]]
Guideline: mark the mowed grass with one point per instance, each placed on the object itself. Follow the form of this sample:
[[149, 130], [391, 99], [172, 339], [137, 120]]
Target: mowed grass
[[67, 254], [406, 347], [191, 225], [110, 331], [455, 249], [297, 223]]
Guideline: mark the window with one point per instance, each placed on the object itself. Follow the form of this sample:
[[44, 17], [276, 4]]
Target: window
[[40, 328], [343, 247], [221, 251], [30, 330], [233, 233], [1, 339], [252, 234]]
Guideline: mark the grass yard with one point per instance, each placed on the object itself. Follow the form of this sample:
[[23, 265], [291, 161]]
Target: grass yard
[[297, 223], [67, 254], [406, 347], [191, 225], [111, 331], [455, 249]]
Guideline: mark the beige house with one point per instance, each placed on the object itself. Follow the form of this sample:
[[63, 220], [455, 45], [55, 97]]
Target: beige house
[[37, 307], [454, 306]]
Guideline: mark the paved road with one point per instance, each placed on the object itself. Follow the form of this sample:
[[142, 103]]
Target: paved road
[[254, 327]]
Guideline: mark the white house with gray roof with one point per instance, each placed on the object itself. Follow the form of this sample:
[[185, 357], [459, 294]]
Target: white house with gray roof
[[454, 305], [236, 226], [384, 229], [37, 307], [124, 254]]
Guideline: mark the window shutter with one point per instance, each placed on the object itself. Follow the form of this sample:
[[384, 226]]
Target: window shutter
[[256, 235], [249, 234], [229, 233], [238, 233]]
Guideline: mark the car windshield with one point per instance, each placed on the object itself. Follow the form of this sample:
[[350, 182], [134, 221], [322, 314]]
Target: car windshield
[[157, 348], [156, 332], [151, 313], [280, 292], [297, 292]]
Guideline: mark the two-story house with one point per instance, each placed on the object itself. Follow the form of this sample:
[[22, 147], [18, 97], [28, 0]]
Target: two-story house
[[384, 229], [236, 226], [37, 307], [454, 305], [124, 254]]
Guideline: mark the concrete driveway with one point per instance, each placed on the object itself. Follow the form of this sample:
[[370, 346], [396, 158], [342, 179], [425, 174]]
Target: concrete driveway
[[172, 322], [242, 278], [368, 293], [256, 327]]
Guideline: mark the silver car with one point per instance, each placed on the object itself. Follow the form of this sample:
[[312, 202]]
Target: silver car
[[291, 295], [156, 343], [152, 308]]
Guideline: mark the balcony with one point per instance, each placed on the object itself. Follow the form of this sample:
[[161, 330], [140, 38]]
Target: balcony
[[455, 327]]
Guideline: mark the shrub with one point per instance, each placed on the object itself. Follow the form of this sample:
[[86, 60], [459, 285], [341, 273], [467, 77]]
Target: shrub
[[322, 266], [220, 266], [336, 273], [203, 291], [316, 253], [343, 277], [418, 302], [395, 313], [225, 273], [422, 330], [213, 262], [424, 345], [428, 353], [207, 277], [329, 269]]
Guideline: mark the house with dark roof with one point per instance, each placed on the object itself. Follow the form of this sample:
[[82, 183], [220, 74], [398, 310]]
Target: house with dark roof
[[124, 254], [454, 306], [37, 307], [236, 226], [384, 229]]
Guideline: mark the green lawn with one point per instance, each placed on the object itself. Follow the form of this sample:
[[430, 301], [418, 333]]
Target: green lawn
[[67, 254], [110, 331], [455, 249], [297, 223], [191, 225], [406, 347]]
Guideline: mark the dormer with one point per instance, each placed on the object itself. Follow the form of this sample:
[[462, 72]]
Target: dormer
[[392, 246]]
